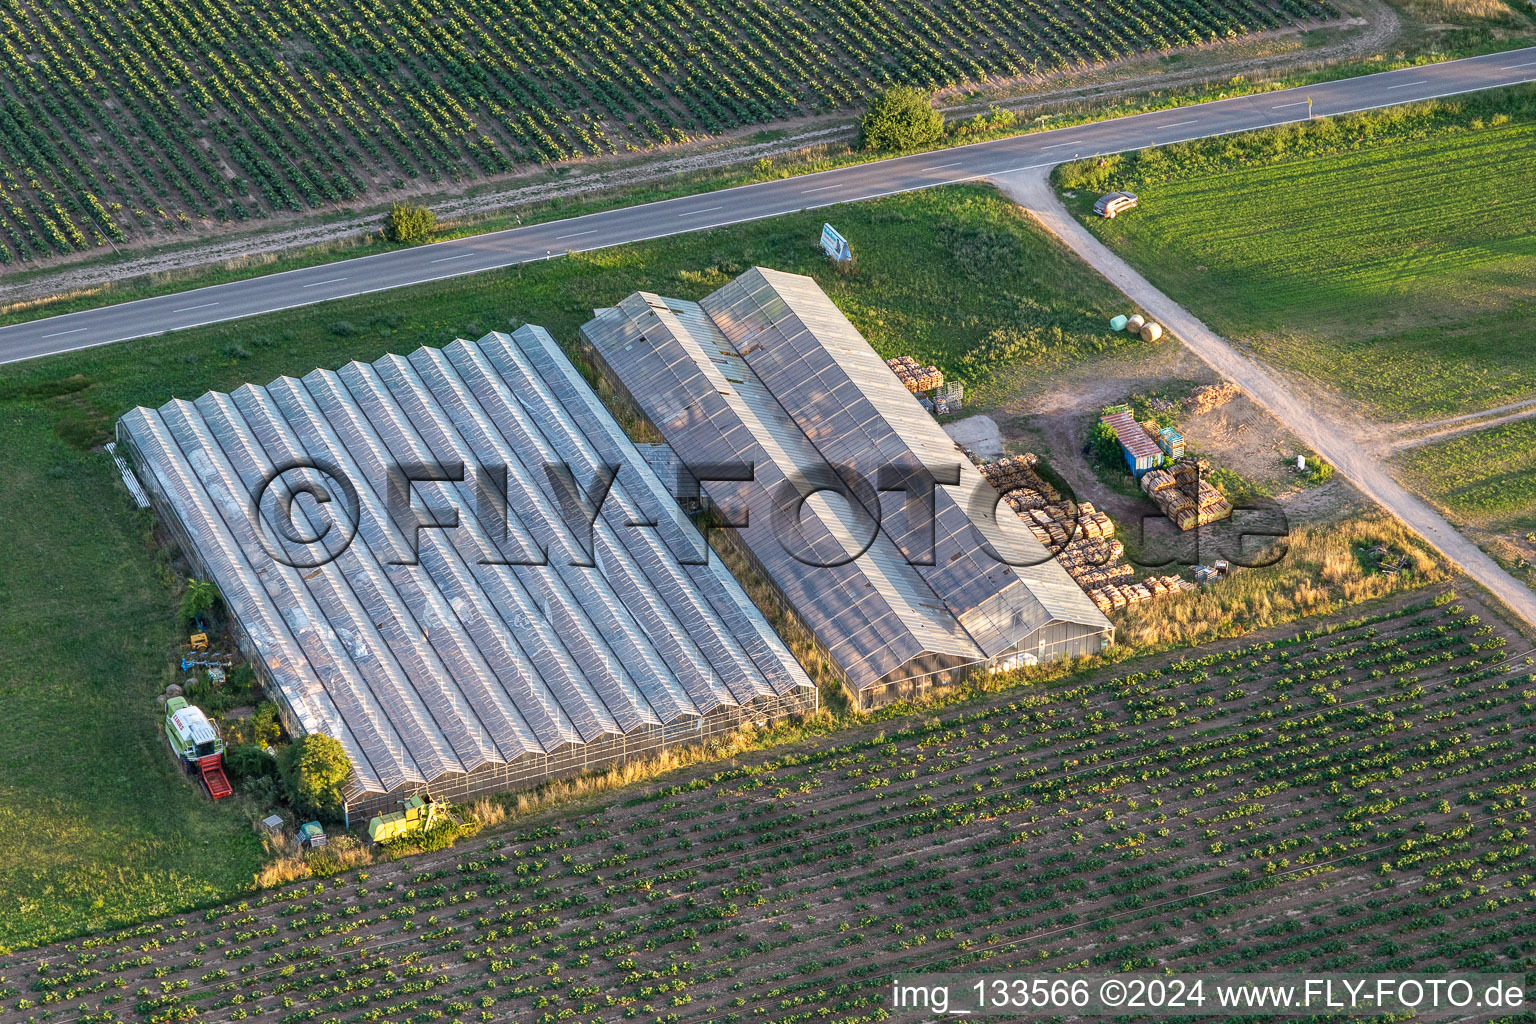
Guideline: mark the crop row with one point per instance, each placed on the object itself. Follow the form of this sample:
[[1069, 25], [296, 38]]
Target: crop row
[[1352, 797], [132, 120]]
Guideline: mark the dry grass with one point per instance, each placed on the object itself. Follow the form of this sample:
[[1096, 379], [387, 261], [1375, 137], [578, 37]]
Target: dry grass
[[286, 864], [834, 694], [1320, 574], [485, 812], [1459, 12]]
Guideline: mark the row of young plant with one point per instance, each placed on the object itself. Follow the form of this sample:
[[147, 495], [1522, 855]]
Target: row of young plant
[[1380, 758], [119, 121]]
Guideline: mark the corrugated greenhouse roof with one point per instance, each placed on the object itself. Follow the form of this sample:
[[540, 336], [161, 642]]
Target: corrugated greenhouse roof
[[767, 371], [459, 661]]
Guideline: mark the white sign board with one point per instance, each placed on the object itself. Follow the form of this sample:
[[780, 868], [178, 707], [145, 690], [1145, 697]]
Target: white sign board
[[835, 245]]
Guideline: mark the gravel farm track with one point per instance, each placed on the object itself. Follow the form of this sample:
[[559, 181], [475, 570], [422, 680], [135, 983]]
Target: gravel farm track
[[1326, 431], [1262, 801]]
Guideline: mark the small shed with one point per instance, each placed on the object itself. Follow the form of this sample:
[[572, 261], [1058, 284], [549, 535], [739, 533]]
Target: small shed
[[1140, 453], [1171, 442]]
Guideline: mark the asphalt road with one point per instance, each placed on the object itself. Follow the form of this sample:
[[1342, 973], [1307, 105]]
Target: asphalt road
[[421, 264]]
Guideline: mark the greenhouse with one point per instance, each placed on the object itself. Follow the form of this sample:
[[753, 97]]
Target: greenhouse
[[767, 373], [419, 560]]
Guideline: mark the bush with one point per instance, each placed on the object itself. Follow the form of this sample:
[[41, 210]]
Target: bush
[[995, 119], [198, 599], [1105, 446], [408, 223], [249, 761], [266, 728], [901, 118], [313, 769]]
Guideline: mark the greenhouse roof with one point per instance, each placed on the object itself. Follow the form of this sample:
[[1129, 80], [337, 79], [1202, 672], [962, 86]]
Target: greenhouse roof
[[422, 649], [766, 371]]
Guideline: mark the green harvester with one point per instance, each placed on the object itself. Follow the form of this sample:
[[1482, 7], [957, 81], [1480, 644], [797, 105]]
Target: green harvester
[[416, 816]]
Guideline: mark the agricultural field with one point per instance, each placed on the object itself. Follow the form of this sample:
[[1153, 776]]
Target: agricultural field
[[1384, 256], [132, 122], [1351, 796], [90, 606], [1485, 481]]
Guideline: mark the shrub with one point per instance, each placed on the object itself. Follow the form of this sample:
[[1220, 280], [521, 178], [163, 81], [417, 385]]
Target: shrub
[[313, 769], [249, 761], [900, 118], [408, 223], [266, 728], [1105, 446], [199, 598], [995, 119]]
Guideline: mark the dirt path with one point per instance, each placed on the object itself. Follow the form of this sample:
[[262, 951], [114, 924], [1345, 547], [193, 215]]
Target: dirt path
[[1325, 431], [1453, 426]]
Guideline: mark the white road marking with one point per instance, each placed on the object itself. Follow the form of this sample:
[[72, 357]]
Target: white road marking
[[460, 256], [1407, 84], [1527, 64], [940, 167], [695, 213], [188, 309], [1282, 106], [61, 334], [578, 234], [821, 189], [1056, 146], [318, 284], [1176, 124]]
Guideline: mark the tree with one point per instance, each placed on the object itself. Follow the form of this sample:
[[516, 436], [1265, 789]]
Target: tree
[[901, 118], [408, 223], [313, 769], [199, 597]]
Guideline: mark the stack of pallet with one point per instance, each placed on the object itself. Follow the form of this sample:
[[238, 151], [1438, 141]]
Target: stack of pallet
[[1093, 523], [1023, 499], [1080, 534], [1185, 496], [1050, 532], [1114, 597], [1087, 555], [916, 377], [1017, 471]]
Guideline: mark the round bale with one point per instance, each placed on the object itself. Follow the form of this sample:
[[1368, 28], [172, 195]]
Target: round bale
[[1134, 323], [1118, 323], [1151, 331]]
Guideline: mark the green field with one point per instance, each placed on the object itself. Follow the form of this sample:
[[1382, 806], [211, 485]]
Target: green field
[[1387, 255], [130, 123], [1485, 481], [1348, 797], [98, 828], [1486, 478]]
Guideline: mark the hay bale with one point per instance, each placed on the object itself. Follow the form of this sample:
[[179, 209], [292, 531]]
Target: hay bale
[[1151, 331]]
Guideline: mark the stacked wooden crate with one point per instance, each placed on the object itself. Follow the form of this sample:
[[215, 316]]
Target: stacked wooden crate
[[1017, 471], [1185, 496], [1081, 535], [914, 375], [1113, 597]]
